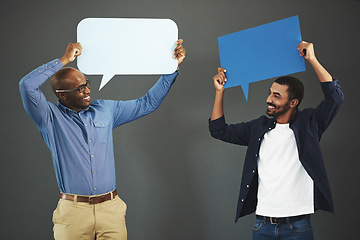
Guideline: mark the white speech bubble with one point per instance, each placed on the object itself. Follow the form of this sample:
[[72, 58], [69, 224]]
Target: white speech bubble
[[128, 46]]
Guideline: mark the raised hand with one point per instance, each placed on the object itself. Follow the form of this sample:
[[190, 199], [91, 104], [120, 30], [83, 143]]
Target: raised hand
[[179, 52], [220, 79], [72, 51]]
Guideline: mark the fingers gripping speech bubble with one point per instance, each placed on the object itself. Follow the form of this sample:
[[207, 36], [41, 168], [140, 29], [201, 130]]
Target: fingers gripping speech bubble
[[126, 46]]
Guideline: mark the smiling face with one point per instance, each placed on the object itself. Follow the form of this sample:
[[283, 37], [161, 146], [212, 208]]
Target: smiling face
[[71, 79], [279, 105]]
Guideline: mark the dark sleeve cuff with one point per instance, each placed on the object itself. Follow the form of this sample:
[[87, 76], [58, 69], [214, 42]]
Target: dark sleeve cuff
[[329, 87], [216, 124], [333, 90]]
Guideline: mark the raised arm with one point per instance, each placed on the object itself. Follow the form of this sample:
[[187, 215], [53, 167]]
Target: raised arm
[[219, 80], [33, 99], [333, 96], [126, 111], [232, 133], [307, 51]]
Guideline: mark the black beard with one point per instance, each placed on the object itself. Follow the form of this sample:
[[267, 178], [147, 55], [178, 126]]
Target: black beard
[[277, 114]]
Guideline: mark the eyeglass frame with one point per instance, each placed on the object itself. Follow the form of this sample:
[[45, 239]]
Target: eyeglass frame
[[84, 86]]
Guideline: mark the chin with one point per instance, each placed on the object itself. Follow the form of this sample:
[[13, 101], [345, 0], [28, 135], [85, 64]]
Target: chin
[[269, 113], [86, 105]]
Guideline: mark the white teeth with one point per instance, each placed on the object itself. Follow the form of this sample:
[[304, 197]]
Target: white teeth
[[86, 98]]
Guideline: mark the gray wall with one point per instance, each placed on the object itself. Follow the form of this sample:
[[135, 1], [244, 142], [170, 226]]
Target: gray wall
[[178, 182]]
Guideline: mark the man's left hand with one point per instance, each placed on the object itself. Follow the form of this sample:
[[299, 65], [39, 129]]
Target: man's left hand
[[306, 50], [179, 52]]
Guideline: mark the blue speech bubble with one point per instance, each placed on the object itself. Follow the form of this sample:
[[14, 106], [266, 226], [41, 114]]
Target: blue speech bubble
[[260, 53]]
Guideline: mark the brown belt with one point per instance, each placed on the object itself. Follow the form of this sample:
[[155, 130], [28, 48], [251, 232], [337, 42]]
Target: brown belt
[[89, 199]]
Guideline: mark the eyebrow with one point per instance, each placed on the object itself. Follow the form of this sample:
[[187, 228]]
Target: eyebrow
[[86, 82], [275, 93], [82, 85]]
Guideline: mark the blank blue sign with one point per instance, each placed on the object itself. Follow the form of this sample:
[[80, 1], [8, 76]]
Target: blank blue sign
[[260, 53]]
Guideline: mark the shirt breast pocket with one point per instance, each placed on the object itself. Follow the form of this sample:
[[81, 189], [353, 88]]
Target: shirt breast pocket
[[102, 129]]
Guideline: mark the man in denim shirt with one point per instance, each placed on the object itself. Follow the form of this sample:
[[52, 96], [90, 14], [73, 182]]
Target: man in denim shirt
[[284, 178], [78, 133]]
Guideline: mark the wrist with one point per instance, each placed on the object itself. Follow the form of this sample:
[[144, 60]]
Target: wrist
[[64, 61], [313, 61], [219, 91]]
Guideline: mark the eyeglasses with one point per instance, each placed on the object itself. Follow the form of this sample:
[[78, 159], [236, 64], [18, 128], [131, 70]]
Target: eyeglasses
[[81, 89]]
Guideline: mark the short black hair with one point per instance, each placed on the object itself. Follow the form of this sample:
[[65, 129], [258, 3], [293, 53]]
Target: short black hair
[[295, 87]]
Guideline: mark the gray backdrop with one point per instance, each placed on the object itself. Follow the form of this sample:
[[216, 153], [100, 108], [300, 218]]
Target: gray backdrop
[[178, 182]]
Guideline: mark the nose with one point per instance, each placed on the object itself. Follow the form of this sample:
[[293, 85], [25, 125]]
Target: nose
[[87, 89], [268, 99]]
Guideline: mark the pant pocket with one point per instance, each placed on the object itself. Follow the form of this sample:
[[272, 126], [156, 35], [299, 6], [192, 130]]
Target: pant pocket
[[258, 224], [300, 226], [55, 217]]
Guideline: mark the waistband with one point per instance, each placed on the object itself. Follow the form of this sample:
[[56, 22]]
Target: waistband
[[89, 199], [281, 220]]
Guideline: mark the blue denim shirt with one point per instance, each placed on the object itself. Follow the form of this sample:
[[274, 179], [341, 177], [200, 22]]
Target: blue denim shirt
[[308, 126], [81, 144]]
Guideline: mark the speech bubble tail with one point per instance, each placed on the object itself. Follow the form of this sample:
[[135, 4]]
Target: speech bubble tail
[[106, 78], [245, 88]]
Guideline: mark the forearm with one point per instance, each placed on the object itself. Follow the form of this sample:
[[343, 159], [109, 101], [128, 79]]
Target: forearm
[[321, 72], [307, 51], [157, 93], [331, 104], [33, 99], [218, 107], [38, 76], [126, 111]]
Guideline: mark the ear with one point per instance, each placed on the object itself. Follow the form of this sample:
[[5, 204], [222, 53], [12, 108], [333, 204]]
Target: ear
[[294, 103], [61, 96]]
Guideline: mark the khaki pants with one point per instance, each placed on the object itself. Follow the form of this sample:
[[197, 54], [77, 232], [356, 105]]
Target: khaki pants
[[78, 220]]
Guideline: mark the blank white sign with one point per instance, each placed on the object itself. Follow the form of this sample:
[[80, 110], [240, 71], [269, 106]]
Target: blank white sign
[[128, 46]]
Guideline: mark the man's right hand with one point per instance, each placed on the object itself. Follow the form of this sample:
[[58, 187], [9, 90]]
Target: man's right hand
[[220, 79], [73, 50]]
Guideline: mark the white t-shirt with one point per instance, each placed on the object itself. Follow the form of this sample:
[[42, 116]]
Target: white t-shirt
[[285, 188]]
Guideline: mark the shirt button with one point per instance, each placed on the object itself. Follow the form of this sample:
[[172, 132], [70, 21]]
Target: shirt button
[[242, 200], [259, 139], [93, 172], [253, 171], [94, 188], [92, 156], [56, 62], [89, 140], [85, 125], [256, 155], [247, 186]]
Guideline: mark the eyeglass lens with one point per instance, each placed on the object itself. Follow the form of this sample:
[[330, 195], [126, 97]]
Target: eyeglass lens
[[82, 88]]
